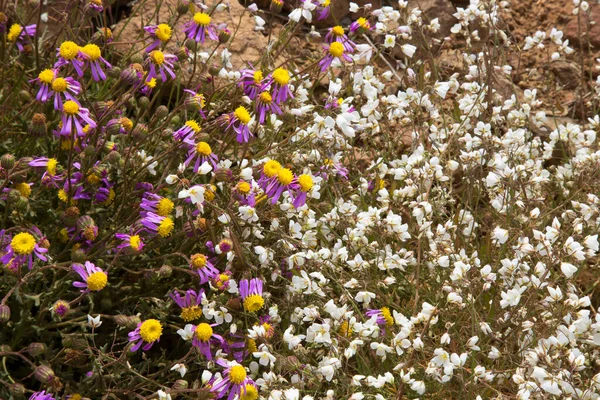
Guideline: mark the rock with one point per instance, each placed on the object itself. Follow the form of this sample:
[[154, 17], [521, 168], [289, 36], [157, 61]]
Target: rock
[[248, 45], [567, 73], [443, 10], [573, 28]]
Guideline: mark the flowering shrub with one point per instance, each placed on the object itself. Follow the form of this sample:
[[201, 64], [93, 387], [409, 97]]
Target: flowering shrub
[[354, 222]]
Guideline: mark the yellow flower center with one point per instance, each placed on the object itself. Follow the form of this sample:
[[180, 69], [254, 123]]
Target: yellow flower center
[[111, 197], [193, 124], [46, 76], [243, 187], [97, 281], [51, 166], [157, 57], [14, 32], [165, 227], [285, 176], [151, 83], [305, 182], [93, 179], [200, 99], [203, 332], [253, 303], [210, 192], [164, 207], [281, 76], [126, 123], [222, 280], [92, 51], [62, 195], [59, 85], [191, 313], [250, 394], [242, 115], [336, 49], [68, 50], [252, 345], [23, 243], [258, 77], [389, 320], [362, 22], [199, 261], [75, 396], [70, 107], [237, 374], [150, 330], [24, 189], [202, 19], [271, 168], [135, 242], [163, 32], [265, 97], [345, 329], [337, 31], [203, 148]]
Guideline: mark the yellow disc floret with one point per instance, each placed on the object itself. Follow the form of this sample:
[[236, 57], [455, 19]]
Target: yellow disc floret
[[163, 32], [265, 98], [24, 189], [271, 168], [243, 187], [203, 332], [193, 124], [237, 374], [23, 243], [198, 261], [151, 83], [203, 148], [285, 176], [46, 76], [305, 182], [70, 107], [389, 320], [92, 51], [68, 50], [253, 303], [97, 281], [336, 49], [135, 242], [363, 22], [150, 330], [257, 77], [191, 313], [242, 115], [337, 31], [165, 227], [164, 207], [14, 32], [157, 57], [202, 19], [59, 85], [51, 166], [249, 393], [281, 76]]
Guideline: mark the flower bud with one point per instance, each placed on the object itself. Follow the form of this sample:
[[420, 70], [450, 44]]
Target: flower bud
[[143, 102], [16, 389], [214, 70], [113, 157], [78, 256], [176, 120], [114, 72], [22, 203], [7, 161], [183, 7], [140, 131], [61, 308], [224, 36], [36, 349], [133, 74], [276, 6], [4, 313], [182, 53], [126, 321], [24, 94], [161, 112], [180, 384], [223, 175], [13, 196], [165, 271], [44, 374], [37, 127], [84, 222]]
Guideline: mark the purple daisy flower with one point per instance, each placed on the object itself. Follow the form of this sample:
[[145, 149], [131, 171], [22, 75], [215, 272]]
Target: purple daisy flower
[[278, 81], [204, 336], [251, 82], [133, 242], [92, 56], [337, 34], [235, 381], [147, 332], [41, 396], [158, 225], [335, 51], [190, 304], [202, 152], [196, 101], [20, 35], [72, 115], [203, 267], [94, 278], [200, 26], [21, 248], [156, 204], [251, 292], [68, 53], [240, 120], [187, 131], [264, 105], [160, 63], [160, 33]]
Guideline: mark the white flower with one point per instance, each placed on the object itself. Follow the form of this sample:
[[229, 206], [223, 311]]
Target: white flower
[[162, 395], [390, 41], [409, 50], [181, 368], [364, 297], [195, 194], [511, 297], [187, 333], [568, 269], [94, 322]]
